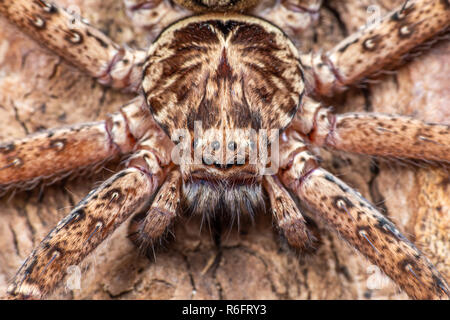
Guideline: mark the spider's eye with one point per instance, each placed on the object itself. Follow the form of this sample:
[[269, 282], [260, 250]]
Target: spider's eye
[[207, 161], [232, 145], [226, 166], [215, 145]]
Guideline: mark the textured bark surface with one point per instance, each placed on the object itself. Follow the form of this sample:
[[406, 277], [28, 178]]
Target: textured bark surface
[[38, 90]]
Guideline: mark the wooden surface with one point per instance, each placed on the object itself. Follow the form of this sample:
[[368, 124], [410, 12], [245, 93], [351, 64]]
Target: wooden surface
[[38, 90]]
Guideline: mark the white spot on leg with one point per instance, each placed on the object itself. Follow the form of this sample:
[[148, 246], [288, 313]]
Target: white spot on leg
[[369, 44], [363, 234], [48, 7], [39, 22], [98, 226], [59, 145], [74, 37], [17, 162], [405, 31], [341, 204]]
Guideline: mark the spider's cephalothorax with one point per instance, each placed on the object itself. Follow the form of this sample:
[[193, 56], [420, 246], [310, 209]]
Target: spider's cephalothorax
[[227, 75], [217, 5]]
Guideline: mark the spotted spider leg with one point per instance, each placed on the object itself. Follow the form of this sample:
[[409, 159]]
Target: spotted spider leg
[[144, 233], [360, 224], [91, 221], [52, 155], [74, 39], [374, 134], [379, 46], [287, 215]]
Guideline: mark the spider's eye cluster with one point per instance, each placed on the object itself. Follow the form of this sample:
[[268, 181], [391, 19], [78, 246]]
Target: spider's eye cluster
[[217, 5]]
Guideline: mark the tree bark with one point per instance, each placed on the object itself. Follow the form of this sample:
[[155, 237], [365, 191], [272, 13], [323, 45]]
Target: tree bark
[[38, 90]]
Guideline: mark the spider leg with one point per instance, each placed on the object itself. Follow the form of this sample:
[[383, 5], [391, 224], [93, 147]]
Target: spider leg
[[74, 39], [292, 16], [89, 223], [160, 215], [52, 155], [154, 16], [361, 225], [386, 44], [287, 216], [374, 134]]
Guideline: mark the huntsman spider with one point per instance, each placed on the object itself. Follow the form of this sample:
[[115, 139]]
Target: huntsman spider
[[226, 119]]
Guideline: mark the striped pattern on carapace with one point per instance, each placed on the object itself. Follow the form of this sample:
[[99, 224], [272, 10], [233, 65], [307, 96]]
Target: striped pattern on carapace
[[198, 70]]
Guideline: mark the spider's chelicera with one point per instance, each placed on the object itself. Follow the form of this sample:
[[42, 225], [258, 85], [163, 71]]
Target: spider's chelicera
[[237, 99]]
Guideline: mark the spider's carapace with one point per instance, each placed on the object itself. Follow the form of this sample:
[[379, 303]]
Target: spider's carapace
[[225, 76]]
